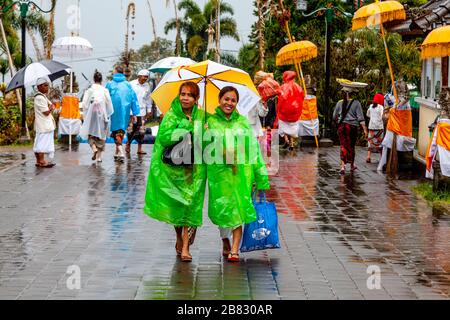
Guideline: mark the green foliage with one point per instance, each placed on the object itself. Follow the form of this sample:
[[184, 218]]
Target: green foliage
[[145, 56], [9, 124], [436, 199], [358, 56], [4, 68], [196, 22]]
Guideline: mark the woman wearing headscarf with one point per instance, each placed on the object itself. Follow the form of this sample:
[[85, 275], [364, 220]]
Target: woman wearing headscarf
[[290, 104], [235, 167], [349, 117], [376, 125], [175, 193]]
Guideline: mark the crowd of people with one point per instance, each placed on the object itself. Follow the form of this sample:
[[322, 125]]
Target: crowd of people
[[176, 189]]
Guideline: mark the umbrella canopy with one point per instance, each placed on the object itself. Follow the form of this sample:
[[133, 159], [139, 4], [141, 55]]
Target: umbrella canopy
[[72, 47], [295, 52], [28, 75], [211, 78], [378, 13], [169, 63], [437, 43]]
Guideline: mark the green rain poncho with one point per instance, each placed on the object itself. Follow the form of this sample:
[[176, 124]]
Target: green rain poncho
[[230, 182], [175, 194]]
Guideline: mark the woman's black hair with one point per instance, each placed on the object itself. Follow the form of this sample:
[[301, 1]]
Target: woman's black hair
[[98, 77], [225, 90]]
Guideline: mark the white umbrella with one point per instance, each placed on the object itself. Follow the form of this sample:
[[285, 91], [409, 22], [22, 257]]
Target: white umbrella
[[72, 47], [169, 63]]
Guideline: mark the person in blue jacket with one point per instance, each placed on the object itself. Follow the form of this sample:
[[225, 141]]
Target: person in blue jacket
[[124, 102]]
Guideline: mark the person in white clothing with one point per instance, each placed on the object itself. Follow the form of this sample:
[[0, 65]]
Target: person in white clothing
[[136, 131], [259, 110], [98, 109], [44, 125], [376, 126]]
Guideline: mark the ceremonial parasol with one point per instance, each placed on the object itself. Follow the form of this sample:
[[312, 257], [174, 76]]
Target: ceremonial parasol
[[376, 14]]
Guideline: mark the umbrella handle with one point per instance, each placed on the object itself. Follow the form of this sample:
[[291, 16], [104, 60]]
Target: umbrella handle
[[179, 70]]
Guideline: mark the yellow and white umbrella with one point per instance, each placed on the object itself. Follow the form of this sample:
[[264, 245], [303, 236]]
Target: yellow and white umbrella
[[211, 77]]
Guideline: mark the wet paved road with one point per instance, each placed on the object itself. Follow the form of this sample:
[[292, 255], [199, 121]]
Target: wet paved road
[[332, 229]]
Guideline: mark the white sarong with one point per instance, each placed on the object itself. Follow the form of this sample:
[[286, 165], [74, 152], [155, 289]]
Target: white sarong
[[289, 128], [44, 143]]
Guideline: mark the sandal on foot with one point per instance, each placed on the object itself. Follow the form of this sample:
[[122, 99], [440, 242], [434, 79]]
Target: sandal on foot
[[186, 258], [177, 250], [233, 257], [45, 165], [342, 172]]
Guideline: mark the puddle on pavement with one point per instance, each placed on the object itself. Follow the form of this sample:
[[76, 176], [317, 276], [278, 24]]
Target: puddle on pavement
[[379, 213]]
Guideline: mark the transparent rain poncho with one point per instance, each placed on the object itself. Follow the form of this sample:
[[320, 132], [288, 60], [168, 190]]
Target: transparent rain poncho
[[97, 109]]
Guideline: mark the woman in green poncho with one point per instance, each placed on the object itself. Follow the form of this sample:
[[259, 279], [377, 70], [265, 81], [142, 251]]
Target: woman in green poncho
[[234, 165], [175, 194]]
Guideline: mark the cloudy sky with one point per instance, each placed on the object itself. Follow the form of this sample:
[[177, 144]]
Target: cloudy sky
[[103, 24]]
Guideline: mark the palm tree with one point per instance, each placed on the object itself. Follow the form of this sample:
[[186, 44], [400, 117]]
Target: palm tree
[[37, 24], [371, 57], [51, 32], [196, 23], [4, 68], [178, 28]]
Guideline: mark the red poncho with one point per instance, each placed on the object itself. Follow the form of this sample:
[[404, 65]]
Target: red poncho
[[290, 100]]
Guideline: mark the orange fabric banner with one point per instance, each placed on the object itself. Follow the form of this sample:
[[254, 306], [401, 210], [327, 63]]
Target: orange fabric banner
[[443, 136], [309, 111], [400, 122], [70, 108]]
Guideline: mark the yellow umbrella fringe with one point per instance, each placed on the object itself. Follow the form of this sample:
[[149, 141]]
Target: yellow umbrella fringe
[[362, 22], [435, 51], [289, 58]]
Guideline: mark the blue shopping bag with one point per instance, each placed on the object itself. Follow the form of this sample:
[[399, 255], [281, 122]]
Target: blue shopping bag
[[263, 233]]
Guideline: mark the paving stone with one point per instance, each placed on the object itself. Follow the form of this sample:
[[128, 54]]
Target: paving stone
[[332, 229]]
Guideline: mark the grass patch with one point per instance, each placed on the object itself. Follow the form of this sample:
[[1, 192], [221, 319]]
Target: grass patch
[[440, 199]]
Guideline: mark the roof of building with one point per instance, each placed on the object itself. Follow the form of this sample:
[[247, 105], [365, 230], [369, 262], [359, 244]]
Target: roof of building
[[420, 21]]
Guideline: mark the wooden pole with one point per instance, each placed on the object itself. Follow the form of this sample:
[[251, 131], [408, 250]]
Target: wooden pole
[[389, 63]]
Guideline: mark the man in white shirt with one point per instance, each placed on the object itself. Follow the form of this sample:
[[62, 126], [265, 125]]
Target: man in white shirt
[[136, 131], [44, 125]]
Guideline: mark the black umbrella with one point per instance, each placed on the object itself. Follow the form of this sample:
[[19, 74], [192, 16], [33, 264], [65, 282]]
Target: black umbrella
[[28, 75]]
